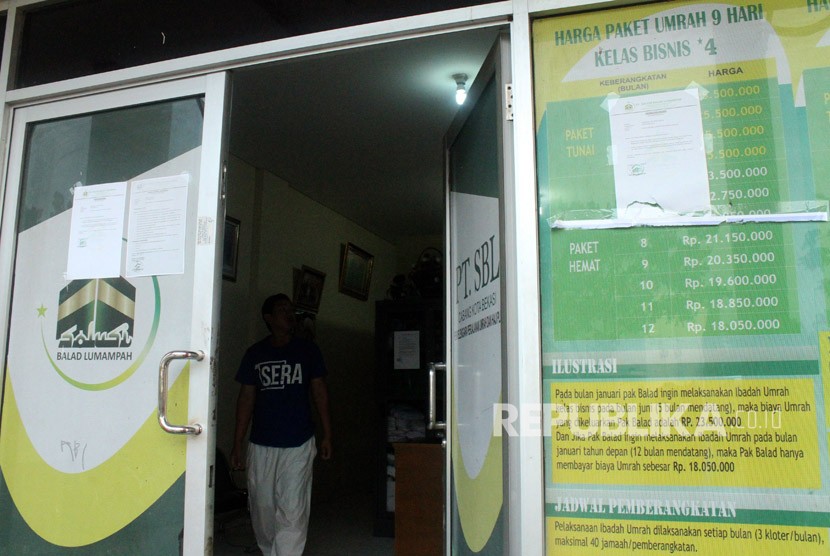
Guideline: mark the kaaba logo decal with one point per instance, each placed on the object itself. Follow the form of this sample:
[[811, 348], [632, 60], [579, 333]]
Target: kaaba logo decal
[[95, 346], [96, 313]]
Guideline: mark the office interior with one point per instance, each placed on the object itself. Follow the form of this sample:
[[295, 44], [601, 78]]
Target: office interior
[[345, 147]]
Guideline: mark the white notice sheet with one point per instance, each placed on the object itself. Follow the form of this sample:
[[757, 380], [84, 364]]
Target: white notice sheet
[[96, 231], [158, 221], [407, 349], [659, 154]]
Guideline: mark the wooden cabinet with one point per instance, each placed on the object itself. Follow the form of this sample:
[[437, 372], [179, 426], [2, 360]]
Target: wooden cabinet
[[419, 499]]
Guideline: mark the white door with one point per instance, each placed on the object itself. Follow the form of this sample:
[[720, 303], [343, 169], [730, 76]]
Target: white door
[[476, 168], [88, 317]]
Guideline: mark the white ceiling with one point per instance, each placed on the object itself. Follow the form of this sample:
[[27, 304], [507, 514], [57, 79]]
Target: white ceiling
[[360, 131]]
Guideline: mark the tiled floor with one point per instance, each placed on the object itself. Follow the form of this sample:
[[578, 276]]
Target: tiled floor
[[339, 527]]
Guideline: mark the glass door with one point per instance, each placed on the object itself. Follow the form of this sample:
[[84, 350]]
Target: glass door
[[477, 373], [109, 296]]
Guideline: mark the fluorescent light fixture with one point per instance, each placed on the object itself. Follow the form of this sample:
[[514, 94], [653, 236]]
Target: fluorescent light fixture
[[461, 88]]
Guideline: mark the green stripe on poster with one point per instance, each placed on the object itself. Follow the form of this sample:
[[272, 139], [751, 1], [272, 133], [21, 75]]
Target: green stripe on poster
[[156, 532]]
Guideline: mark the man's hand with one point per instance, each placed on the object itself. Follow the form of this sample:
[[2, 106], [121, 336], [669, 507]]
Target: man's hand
[[237, 461], [244, 411], [325, 448], [321, 400]]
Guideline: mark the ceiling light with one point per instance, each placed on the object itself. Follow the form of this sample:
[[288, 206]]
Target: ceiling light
[[461, 88]]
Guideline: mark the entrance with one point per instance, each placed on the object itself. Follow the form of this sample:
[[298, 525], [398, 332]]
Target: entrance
[[309, 189], [347, 148]]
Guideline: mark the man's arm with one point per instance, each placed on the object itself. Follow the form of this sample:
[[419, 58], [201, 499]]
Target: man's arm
[[244, 412], [321, 400]]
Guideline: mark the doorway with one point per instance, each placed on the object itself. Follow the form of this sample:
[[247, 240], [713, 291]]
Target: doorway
[[342, 148]]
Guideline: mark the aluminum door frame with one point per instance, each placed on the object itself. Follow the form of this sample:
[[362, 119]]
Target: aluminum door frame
[[198, 510]]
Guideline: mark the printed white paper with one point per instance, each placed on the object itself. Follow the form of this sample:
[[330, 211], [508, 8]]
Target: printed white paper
[[407, 349], [96, 231], [659, 154], [158, 222]]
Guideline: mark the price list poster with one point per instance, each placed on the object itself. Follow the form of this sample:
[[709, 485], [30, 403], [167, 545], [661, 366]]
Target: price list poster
[[683, 155]]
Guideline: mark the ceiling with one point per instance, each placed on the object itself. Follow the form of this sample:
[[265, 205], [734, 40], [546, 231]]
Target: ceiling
[[360, 131]]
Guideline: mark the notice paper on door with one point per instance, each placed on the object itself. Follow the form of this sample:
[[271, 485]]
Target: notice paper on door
[[96, 231], [407, 349], [157, 226], [659, 155]]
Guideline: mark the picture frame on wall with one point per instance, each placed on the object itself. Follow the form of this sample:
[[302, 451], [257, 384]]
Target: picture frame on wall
[[230, 249], [308, 289], [355, 271]]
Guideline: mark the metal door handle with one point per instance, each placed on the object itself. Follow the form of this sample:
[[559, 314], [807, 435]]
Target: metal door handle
[[432, 424], [163, 368]]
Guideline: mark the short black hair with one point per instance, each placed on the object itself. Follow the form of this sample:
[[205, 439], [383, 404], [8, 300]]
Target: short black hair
[[270, 302]]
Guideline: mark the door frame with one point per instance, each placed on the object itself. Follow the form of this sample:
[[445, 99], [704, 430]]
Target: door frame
[[198, 499], [496, 67], [526, 518], [523, 456]]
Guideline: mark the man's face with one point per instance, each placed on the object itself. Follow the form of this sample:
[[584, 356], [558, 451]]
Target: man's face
[[281, 318]]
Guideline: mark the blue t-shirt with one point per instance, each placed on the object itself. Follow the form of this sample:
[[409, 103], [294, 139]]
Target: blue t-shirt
[[282, 375]]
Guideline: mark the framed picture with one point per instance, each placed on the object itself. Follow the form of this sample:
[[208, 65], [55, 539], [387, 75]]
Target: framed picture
[[308, 289], [355, 272], [230, 250]]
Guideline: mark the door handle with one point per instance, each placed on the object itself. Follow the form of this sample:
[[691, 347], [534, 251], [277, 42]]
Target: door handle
[[163, 371], [432, 424]]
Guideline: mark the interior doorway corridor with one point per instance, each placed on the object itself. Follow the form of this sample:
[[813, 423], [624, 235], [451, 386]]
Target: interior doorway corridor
[[323, 152]]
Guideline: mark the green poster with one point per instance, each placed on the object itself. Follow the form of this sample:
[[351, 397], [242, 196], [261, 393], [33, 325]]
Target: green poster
[[682, 153]]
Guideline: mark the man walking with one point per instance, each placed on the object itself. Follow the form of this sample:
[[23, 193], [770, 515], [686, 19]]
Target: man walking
[[276, 375]]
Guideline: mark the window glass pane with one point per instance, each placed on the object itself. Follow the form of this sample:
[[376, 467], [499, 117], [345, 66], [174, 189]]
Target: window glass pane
[[108, 146], [73, 39], [3, 18], [710, 303], [78, 367]]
